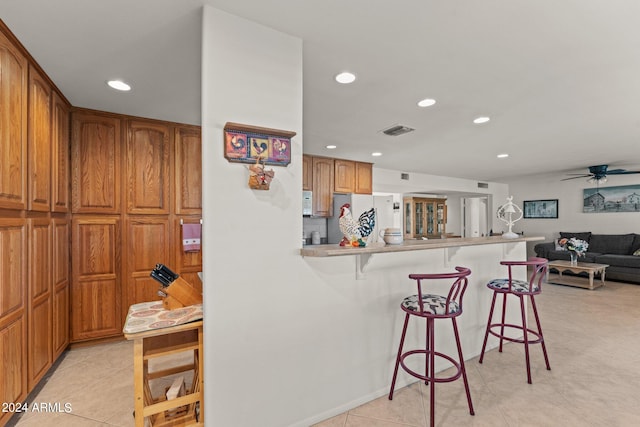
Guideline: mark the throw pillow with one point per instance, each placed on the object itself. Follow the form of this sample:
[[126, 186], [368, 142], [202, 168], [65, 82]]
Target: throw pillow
[[558, 247], [585, 235], [637, 253]]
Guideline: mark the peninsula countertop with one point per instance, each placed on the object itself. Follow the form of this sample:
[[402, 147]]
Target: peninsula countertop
[[409, 245]]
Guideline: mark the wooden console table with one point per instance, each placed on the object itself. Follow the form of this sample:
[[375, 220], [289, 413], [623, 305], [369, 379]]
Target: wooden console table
[[151, 343], [582, 267]]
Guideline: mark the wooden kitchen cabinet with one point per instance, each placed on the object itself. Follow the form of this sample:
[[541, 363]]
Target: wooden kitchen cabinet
[[352, 177], [323, 170], [424, 217], [147, 170], [39, 143], [95, 163], [344, 178], [39, 325], [13, 123], [188, 166], [146, 243], [96, 277], [188, 264], [13, 312], [60, 160], [364, 178], [307, 173], [61, 233]]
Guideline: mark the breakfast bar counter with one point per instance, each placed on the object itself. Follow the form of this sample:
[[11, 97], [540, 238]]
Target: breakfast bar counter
[[408, 245]]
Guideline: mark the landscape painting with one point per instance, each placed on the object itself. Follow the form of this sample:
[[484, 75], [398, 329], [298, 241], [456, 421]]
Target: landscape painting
[[625, 198]]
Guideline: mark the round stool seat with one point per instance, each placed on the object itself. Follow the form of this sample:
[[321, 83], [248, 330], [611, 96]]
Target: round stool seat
[[517, 286], [432, 304]]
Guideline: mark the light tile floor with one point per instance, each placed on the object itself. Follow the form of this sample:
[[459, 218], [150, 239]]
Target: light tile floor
[[593, 339]]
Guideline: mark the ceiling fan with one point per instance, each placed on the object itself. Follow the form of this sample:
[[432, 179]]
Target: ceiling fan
[[598, 174]]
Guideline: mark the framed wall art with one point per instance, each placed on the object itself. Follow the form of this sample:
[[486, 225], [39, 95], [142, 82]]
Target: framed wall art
[[540, 208], [624, 198], [247, 144]]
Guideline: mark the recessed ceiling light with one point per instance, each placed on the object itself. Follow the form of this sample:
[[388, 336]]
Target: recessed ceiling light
[[376, 154], [427, 102], [346, 77], [479, 120], [119, 85], [502, 156], [331, 147]]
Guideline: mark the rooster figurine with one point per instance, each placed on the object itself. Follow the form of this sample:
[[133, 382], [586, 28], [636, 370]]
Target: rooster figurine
[[355, 232]]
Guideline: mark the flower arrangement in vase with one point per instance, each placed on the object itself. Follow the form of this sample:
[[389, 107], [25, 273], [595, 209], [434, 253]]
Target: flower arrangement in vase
[[576, 247]]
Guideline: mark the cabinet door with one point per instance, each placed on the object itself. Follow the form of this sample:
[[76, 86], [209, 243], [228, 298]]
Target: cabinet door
[[95, 286], [307, 173], [344, 177], [147, 244], [13, 126], [13, 369], [61, 232], [13, 269], [39, 143], [39, 348], [147, 168], [364, 178], [188, 182], [60, 161], [322, 186], [95, 163]]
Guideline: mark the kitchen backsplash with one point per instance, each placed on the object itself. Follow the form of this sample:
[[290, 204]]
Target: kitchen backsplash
[[310, 225]]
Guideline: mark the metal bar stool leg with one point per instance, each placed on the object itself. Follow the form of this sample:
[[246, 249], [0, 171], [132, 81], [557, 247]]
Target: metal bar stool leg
[[525, 337], [504, 312], [462, 367], [486, 334], [544, 347], [431, 356], [395, 371]]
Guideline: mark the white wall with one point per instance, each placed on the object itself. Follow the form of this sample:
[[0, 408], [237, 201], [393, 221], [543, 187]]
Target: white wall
[[570, 216]]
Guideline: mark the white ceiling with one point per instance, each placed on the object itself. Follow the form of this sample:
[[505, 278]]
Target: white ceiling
[[559, 79]]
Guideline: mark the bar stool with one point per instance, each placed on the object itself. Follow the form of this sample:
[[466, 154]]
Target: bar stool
[[431, 307], [520, 289]]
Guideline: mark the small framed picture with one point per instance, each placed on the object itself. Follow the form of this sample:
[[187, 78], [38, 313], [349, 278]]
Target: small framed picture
[[540, 208]]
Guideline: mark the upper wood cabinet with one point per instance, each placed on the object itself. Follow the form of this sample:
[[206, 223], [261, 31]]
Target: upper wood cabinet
[[13, 126], [39, 143], [95, 163], [344, 176], [323, 186], [364, 178], [188, 164], [60, 161], [147, 159], [307, 172]]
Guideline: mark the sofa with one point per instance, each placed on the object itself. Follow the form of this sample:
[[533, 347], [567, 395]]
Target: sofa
[[620, 251]]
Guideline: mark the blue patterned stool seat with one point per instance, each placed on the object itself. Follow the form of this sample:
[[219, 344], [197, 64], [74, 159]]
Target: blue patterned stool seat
[[433, 304], [517, 286]]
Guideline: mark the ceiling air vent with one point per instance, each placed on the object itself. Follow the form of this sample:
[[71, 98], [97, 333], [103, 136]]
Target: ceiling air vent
[[396, 130], [404, 176], [483, 185]]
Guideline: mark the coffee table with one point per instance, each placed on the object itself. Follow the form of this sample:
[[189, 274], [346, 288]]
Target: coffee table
[[582, 267]]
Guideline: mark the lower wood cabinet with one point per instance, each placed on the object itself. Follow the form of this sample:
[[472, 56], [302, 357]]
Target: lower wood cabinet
[[95, 287], [61, 234], [13, 363]]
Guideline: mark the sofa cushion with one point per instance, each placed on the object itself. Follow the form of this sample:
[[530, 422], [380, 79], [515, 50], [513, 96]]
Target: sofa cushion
[[635, 246], [616, 244], [619, 260], [583, 235]]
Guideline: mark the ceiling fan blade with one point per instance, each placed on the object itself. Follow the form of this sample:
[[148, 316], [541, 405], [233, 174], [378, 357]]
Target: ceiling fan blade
[[621, 172], [575, 177]]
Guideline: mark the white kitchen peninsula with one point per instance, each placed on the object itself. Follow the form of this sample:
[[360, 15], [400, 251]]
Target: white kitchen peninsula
[[383, 283]]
